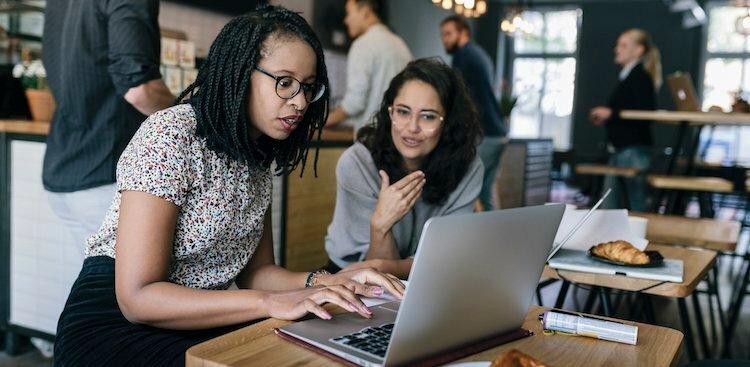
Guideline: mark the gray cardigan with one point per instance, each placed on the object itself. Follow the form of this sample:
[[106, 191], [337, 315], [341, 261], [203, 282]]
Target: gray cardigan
[[358, 186]]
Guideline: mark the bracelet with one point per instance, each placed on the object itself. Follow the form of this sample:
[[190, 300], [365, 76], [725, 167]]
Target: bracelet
[[313, 277]]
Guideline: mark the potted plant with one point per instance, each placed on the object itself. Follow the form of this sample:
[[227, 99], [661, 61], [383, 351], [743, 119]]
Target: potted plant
[[34, 80], [507, 102]]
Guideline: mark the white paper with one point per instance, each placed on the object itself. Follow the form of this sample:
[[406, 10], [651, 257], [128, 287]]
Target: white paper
[[387, 297], [603, 226]]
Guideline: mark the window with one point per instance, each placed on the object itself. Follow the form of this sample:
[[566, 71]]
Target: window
[[543, 72], [726, 74]]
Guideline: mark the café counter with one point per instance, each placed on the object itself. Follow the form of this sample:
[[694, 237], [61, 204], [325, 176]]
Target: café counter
[[37, 267]]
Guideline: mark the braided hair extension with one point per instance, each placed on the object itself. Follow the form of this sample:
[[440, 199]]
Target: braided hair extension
[[219, 94]]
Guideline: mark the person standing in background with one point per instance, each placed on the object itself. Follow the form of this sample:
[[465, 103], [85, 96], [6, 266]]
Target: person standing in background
[[630, 141], [374, 58], [102, 62], [476, 68]]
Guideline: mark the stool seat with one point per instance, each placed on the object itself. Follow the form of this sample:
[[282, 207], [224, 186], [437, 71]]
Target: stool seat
[[605, 170], [690, 183]]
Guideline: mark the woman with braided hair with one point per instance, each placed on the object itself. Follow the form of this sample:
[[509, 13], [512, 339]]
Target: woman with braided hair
[[192, 212]]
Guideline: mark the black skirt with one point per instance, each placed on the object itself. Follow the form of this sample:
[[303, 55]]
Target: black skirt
[[93, 332]]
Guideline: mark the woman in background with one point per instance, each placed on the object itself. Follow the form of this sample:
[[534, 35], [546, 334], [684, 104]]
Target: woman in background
[[630, 141], [417, 160]]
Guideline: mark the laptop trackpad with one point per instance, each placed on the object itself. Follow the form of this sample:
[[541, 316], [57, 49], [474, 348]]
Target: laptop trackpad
[[391, 306]]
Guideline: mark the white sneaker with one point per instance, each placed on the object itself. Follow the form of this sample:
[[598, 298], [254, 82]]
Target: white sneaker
[[46, 347]]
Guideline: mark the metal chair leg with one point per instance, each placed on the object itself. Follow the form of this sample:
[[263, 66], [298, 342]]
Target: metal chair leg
[[713, 284], [624, 198], [606, 304], [590, 299], [648, 307], [687, 329], [735, 309], [701, 329], [563, 292]]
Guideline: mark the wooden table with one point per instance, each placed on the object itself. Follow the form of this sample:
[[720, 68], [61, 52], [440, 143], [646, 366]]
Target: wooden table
[[697, 263], [257, 345], [692, 118], [711, 234], [690, 183], [684, 120]]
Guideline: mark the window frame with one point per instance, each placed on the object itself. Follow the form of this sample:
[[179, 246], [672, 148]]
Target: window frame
[[707, 55], [508, 44]]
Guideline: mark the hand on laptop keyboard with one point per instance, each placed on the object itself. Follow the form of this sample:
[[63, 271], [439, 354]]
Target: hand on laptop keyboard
[[291, 305], [367, 282]]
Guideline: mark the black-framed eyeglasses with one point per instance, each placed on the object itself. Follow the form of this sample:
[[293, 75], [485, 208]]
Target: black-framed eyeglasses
[[288, 87]]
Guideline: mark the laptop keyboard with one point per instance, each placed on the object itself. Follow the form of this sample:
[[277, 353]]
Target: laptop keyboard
[[370, 340]]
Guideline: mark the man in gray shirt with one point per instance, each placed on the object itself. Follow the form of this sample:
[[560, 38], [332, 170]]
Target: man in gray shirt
[[374, 58]]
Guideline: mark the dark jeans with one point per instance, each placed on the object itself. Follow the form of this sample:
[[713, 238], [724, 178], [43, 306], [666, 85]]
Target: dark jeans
[[636, 157]]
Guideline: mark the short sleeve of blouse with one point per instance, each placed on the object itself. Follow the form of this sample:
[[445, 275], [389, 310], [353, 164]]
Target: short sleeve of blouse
[[157, 160]]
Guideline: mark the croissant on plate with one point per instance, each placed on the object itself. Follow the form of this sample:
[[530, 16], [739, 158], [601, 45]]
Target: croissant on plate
[[621, 251]]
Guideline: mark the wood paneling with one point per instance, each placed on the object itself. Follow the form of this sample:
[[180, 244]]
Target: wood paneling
[[310, 203]]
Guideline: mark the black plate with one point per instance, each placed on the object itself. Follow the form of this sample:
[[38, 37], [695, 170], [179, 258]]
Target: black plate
[[654, 256]]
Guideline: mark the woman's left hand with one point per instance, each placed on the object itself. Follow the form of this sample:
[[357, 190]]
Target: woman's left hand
[[367, 282]]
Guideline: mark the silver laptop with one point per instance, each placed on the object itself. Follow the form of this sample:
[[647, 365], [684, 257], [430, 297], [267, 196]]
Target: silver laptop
[[473, 278], [670, 271]]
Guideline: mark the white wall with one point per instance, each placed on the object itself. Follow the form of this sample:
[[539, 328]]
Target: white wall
[[305, 7], [418, 23], [201, 25]]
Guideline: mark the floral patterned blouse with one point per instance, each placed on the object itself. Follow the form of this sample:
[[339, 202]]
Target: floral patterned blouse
[[222, 201]]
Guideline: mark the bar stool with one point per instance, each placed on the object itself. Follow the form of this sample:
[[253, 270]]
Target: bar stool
[[702, 187]]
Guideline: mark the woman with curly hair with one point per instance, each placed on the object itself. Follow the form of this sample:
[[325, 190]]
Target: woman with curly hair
[[417, 160], [192, 213]]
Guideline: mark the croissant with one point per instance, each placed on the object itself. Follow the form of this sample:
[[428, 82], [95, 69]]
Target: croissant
[[622, 251], [516, 358]]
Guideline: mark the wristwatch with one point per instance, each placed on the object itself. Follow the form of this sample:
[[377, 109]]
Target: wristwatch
[[312, 278]]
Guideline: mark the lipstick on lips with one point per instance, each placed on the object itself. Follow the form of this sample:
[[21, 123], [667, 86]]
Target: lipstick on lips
[[410, 141], [290, 122]]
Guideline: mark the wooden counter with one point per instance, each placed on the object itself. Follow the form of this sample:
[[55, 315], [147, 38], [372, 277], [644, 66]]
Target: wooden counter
[[36, 272], [338, 134], [24, 127]]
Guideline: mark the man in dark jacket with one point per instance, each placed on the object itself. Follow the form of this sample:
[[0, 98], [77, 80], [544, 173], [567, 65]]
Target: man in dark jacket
[[476, 68]]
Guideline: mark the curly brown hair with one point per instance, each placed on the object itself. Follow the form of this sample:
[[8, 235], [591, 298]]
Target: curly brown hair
[[447, 164]]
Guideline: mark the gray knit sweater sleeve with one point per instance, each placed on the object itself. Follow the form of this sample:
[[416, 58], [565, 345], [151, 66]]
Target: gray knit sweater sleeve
[[357, 191], [358, 186]]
